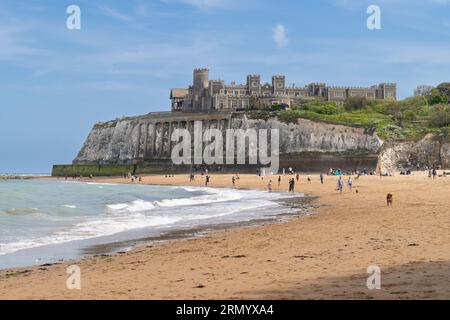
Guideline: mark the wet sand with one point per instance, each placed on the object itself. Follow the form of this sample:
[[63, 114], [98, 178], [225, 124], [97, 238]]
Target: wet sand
[[321, 256]]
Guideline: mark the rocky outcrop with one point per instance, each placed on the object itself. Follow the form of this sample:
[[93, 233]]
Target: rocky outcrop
[[414, 155]]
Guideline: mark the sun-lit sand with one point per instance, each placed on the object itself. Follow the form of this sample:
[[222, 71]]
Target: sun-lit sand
[[322, 256]]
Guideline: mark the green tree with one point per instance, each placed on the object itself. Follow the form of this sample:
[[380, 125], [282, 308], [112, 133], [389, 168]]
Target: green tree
[[440, 115], [437, 97]]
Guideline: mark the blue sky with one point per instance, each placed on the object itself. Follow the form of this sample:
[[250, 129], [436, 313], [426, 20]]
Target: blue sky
[[56, 83]]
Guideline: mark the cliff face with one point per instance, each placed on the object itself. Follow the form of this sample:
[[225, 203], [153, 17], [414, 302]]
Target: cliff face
[[309, 136], [303, 144], [422, 154], [114, 142], [148, 137]]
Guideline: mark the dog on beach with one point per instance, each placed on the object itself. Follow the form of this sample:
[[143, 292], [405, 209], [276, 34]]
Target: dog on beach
[[389, 199]]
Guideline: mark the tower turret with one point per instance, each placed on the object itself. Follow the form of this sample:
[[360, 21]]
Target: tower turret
[[201, 80]]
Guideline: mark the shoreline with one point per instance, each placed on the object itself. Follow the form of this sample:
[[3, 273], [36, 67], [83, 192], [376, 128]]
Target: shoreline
[[112, 244], [324, 255]]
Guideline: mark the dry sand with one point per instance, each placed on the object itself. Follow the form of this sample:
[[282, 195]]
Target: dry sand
[[322, 256]]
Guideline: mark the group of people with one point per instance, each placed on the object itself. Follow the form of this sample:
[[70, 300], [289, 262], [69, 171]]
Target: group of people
[[291, 184], [340, 172], [340, 184]]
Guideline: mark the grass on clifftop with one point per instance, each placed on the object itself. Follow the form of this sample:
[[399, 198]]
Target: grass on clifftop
[[408, 119]]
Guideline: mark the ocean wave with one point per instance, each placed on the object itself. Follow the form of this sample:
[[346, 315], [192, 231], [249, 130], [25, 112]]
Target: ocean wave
[[89, 230], [190, 206], [102, 183], [142, 205], [21, 211], [134, 206]]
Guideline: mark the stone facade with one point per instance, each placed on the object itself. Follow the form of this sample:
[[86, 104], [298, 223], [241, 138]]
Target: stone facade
[[206, 95]]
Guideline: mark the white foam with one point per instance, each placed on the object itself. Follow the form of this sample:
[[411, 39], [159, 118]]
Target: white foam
[[142, 205], [214, 204], [135, 206]]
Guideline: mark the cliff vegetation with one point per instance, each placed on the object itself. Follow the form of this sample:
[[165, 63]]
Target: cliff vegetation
[[405, 120]]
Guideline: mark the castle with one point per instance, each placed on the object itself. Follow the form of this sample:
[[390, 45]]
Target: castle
[[207, 95]]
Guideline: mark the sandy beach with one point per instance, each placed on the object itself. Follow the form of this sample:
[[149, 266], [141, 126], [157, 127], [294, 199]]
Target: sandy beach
[[321, 256]]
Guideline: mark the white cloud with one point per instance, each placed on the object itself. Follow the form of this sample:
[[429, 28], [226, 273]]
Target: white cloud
[[279, 36], [112, 13], [200, 4], [13, 45]]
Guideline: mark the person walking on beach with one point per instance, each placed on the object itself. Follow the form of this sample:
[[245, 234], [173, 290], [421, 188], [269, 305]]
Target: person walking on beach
[[434, 173], [233, 179], [321, 178], [269, 186], [350, 183], [206, 181], [309, 179], [291, 185], [297, 177], [279, 180], [340, 184]]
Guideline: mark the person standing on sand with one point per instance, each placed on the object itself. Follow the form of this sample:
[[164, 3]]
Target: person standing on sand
[[340, 184], [350, 183], [321, 178], [206, 181], [434, 173], [309, 179], [269, 186], [291, 185], [297, 177], [233, 179], [279, 180]]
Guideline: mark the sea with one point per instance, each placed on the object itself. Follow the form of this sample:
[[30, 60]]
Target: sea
[[43, 221]]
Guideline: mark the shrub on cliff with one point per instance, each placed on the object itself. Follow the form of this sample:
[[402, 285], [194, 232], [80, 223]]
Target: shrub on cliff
[[323, 108], [440, 115], [437, 97], [356, 103], [445, 88]]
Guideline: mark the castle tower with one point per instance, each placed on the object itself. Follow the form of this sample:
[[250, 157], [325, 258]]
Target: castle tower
[[200, 83], [201, 80], [254, 84], [279, 84]]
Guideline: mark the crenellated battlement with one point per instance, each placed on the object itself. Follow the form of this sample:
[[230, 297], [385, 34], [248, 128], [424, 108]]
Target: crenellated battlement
[[206, 95]]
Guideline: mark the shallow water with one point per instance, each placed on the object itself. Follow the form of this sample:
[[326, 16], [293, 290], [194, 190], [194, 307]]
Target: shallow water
[[42, 221]]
